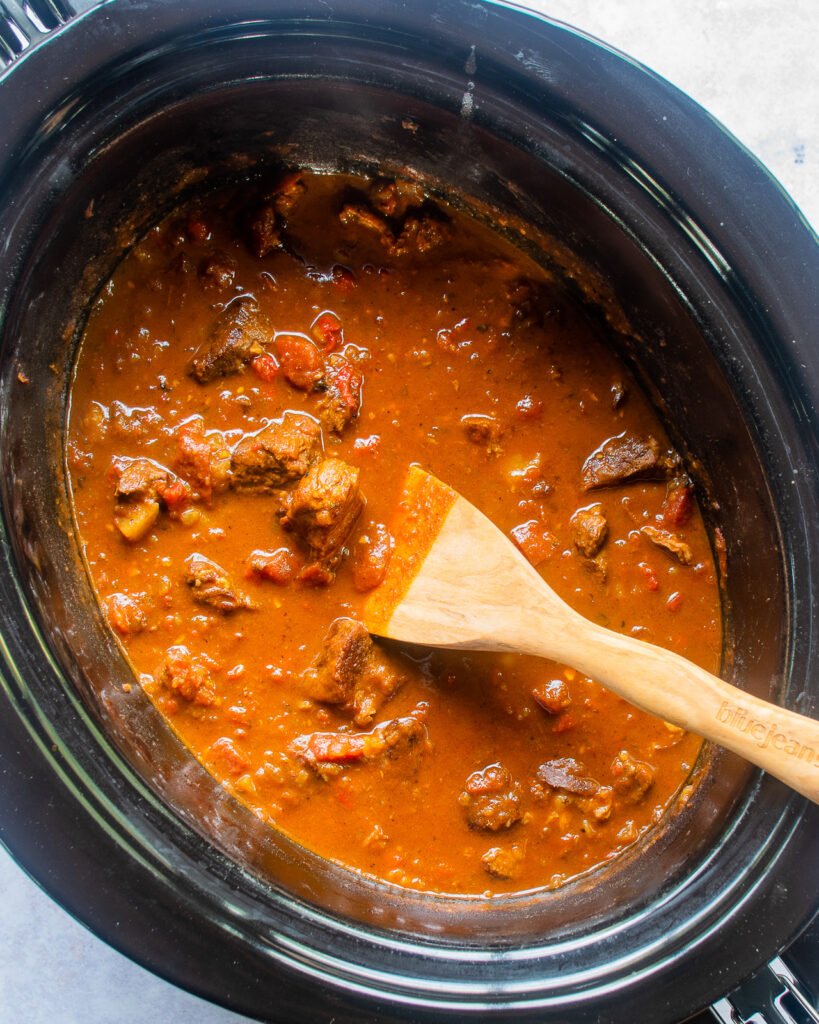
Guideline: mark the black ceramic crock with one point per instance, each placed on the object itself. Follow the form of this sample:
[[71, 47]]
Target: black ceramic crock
[[113, 112]]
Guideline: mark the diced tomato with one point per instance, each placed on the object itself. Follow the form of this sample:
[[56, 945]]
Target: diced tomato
[[194, 455], [334, 747], [279, 566], [196, 229], [224, 752], [176, 495], [369, 445], [347, 383], [553, 696], [678, 504], [564, 723], [316, 575], [650, 577], [529, 408], [125, 614], [327, 331], [372, 557], [674, 602], [299, 359], [343, 278], [534, 540], [265, 367]]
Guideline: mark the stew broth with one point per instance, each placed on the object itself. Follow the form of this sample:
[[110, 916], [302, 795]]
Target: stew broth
[[268, 360]]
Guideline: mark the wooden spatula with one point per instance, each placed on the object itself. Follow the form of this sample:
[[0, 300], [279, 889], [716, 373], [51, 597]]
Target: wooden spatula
[[456, 581]]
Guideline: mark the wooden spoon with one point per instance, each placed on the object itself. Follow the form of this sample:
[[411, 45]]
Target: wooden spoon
[[456, 581]]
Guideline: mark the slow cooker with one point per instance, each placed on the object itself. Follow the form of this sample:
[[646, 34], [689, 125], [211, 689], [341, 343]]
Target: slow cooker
[[112, 112]]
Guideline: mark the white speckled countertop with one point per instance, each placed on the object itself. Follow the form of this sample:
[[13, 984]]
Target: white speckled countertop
[[752, 64]]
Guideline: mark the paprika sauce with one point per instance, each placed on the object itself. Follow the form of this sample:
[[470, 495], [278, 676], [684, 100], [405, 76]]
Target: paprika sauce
[[253, 382]]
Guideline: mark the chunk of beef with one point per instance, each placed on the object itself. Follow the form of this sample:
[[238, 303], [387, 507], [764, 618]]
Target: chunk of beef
[[553, 696], [395, 198], [319, 750], [505, 863], [567, 774], [362, 215], [626, 457], [341, 382], [142, 487], [142, 478], [187, 676], [414, 233], [420, 234], [483, 430], [279, 566], [278, 454], [288, 193], [323, 509], [264, 230], [217, 271], [589, 529], [491, 798], [203, 459], [212, 586], [532, 302], [632, 778], [238, 335], [352, 671], [670, 542]]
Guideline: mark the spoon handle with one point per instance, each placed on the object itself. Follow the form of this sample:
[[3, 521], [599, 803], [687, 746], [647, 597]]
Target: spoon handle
[[782, 742]]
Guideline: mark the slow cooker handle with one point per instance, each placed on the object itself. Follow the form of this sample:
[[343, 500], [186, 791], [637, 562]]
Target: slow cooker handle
[[773, 995], [21, 27]]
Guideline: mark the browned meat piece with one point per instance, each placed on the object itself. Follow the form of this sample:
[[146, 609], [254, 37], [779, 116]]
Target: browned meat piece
[[670, 542], [553, 696], [278, 454], [217, 271], [395, 198], [483, 430], [504, 863], [323, 509], [360, 214], [626, 457], [203, 459], [288, 193], [212, 586], [420, 234], [238, 335], [129, 422], [590, 529], [632, 778], [351, 670], [320, 750], [341, 383], [187, 676], [531, 301], [491, 798], [142, 478], [142, 486], [264, 231], [567, 774], [345, 650]]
